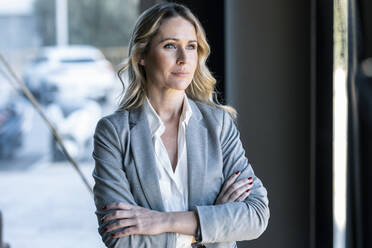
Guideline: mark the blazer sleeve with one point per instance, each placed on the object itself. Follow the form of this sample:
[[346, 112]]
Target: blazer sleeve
[[235, 221], [111, 184]]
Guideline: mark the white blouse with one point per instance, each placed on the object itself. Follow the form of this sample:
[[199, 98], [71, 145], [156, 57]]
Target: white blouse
[[173, 185]]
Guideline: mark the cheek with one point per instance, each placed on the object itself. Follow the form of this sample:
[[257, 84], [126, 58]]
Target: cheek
[[158, 66], [195, 61], [163, 61]]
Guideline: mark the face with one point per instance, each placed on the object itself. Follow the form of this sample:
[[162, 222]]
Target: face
[[172, 58]]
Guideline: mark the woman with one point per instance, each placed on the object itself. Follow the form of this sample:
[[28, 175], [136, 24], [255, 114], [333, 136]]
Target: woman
[[170, 167]]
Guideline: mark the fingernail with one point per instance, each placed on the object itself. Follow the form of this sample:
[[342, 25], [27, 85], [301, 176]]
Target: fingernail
[[236, 173], [104, 208], [105, 230], [248, 190], [112, 235], [250, 183], [249, 178]]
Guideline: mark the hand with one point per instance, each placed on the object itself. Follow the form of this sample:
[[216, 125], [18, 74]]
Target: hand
[[135, 220], [234, 191]]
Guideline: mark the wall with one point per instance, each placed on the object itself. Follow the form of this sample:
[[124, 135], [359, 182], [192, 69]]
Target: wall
[[268, 81]]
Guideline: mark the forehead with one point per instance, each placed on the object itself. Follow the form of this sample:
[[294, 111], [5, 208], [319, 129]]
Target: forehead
[[176, 27]]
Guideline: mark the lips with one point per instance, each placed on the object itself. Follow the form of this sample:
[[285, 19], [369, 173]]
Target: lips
[[181, 73]]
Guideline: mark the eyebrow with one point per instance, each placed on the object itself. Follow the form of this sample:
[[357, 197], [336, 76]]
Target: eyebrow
[[175, 39]]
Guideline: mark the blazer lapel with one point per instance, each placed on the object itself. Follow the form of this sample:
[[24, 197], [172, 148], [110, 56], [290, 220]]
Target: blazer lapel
[[144, 158], [197, 152]]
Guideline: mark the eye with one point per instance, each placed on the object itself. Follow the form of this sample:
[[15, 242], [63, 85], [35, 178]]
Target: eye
[[169, 46], [191, 46]]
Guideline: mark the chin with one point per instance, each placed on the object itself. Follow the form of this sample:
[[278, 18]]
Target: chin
[[180, 84]]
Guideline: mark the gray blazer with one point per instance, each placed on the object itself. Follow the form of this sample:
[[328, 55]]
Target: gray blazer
[[125, 172]]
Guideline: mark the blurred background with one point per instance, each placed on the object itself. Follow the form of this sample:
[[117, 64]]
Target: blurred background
[[67, 54], [298, 72]]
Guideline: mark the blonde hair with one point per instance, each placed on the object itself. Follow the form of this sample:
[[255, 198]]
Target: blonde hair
[[202, 87]]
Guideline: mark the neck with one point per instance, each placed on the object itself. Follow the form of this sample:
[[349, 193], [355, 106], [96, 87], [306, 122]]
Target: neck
[[167, 104]]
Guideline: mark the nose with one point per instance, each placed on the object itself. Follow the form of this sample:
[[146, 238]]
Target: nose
[[181, 56]]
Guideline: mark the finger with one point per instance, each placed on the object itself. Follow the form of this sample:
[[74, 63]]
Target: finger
[[127, 231], [118, 205], [229, 181], [120, 224], [239, 191], [225, 196], [118, 214], [237, 185], [244, 196], [250, 185]]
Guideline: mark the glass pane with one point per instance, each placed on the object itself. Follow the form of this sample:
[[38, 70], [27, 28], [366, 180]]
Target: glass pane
[[43, 200]]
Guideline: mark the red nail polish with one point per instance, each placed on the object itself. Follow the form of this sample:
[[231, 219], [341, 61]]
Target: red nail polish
[[248, 190], [236, 173], [249, 178], [250, 183], [112, 235], [105, 230], [104, 208]]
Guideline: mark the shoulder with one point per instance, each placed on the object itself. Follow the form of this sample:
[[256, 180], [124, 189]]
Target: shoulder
[[119, 120], [212, 113], [117, 117]]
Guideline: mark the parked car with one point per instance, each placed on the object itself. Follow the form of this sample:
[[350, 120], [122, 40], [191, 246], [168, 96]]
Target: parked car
[[11, 121], [79, 71], [75, 120]]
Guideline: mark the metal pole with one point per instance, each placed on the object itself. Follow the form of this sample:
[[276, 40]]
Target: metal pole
[[340, 121], [62, 22]]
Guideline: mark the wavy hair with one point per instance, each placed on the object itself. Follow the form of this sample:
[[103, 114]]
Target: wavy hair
[[202, 87]]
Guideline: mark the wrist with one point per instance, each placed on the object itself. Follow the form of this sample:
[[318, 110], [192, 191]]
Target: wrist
[[168, 221], [181, 222]]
